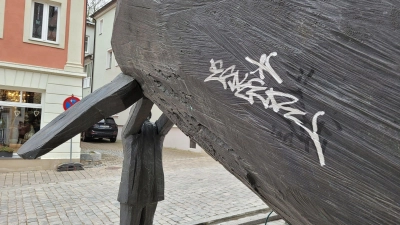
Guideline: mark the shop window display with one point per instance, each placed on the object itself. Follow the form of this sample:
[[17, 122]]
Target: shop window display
[[18, 124], [20, 96]]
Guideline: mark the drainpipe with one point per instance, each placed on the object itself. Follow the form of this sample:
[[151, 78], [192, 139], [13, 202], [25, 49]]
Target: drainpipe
[[94, 50]]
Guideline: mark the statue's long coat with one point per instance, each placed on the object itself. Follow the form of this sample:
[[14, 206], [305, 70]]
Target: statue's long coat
[[142, 179]]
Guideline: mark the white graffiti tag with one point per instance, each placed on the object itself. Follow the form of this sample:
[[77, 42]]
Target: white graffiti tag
[[249, 89]]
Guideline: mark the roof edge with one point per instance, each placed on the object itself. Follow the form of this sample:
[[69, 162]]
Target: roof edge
[[103, 9]]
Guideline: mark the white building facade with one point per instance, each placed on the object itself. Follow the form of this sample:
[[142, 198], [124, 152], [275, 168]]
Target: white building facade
[[88, 62], [35, 79], [106, 69]]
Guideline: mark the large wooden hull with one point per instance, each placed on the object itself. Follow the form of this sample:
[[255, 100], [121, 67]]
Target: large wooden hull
[[298, 99]]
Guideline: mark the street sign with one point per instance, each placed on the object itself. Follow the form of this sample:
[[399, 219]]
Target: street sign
[[70, 101]]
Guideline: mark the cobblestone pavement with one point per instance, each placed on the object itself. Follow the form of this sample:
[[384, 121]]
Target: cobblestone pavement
[[197, 189]]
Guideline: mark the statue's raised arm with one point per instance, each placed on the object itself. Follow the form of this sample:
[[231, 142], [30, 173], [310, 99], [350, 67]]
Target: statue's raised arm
[[164, 125], [139, 113]]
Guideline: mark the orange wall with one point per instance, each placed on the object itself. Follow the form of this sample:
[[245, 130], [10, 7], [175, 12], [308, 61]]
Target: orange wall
[[13, 49]]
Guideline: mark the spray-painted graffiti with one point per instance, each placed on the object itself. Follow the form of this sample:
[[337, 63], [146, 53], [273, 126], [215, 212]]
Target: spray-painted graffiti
[[249, 88]]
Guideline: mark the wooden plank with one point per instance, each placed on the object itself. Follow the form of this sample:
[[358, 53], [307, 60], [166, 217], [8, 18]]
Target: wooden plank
[[114, 97]]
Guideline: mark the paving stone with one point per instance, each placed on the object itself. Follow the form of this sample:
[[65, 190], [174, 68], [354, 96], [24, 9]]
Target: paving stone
[[197, 188]]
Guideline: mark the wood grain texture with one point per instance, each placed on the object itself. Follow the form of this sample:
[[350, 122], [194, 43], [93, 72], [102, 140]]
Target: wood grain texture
[[339, 57], [112, 98], [140, 111]]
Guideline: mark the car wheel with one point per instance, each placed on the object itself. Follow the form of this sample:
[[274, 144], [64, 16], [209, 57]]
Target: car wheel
[[113, 140]]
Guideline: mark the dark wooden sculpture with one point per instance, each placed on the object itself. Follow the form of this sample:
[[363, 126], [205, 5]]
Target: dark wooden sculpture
[[142, 178], [112, 98], [298, 99], [273, 90]]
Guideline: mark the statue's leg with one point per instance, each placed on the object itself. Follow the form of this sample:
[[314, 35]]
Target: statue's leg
[[147, 214], [130, 210], [112, 98], [130, 215]]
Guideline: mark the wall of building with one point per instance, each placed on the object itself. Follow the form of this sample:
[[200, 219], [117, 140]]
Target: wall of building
[[66, 54], [53, 69], [178, 140], [103, 75], [90, 32], [54, 88], [88, 63], [28, 53]]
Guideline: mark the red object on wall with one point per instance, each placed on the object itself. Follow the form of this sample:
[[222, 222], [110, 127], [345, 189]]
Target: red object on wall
[[70, 101]]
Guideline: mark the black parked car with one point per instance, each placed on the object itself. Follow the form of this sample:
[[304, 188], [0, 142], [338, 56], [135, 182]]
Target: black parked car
[[105, 128]]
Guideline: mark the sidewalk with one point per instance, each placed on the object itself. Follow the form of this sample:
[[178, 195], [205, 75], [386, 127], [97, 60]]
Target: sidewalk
[[197, 189]]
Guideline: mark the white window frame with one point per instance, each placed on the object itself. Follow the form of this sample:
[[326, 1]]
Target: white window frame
[[86, 82], [22, 104], [61, 23], [45, 25], [101, 24], [28, 105], [87, 44], [2, 14], [18, 104], [109, 58]]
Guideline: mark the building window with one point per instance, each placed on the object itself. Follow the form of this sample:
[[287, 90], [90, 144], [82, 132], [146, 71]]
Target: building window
[[89, 69], [45, 22], [86, 82], [20, 96], [2, 7], [87, 44], [45, 19], [101, 26], [17, 125], [109, 59], [20, 117]]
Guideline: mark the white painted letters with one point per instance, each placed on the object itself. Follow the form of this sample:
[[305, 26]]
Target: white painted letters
[[249, 88]]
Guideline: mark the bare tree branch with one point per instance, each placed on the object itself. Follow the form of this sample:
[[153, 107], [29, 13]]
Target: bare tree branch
[[93, 6]]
